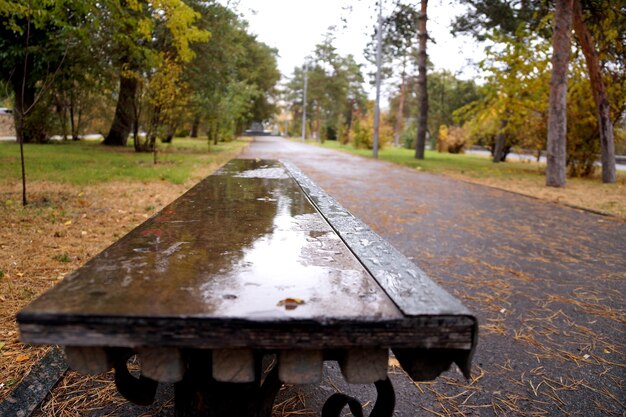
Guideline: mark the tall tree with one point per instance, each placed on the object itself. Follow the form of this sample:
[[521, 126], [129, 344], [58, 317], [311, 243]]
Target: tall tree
[[605, 55], [335, 92], [34, 39], [422, 120], [557, 115], [138, 47], [401, 34], [605, 124]]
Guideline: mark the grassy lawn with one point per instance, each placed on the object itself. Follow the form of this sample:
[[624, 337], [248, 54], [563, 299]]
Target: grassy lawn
[[446, 163], [88, 162], [517, 176]]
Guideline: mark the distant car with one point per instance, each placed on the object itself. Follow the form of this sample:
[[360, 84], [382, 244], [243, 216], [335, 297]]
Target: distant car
[[4, 110]]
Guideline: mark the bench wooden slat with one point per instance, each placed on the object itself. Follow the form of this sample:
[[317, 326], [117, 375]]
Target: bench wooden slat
[[407, 285]]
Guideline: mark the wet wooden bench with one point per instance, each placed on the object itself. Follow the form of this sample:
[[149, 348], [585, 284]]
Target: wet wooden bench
[[254, 262]]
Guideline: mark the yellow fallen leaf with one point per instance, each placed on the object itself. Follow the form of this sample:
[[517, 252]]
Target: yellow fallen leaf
[[393, 362], [67, 223], [290, 303], [22, 358]]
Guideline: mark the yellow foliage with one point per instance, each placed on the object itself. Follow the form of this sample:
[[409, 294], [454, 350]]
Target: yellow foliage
[[453, 139], [179, 19], [362, 132]]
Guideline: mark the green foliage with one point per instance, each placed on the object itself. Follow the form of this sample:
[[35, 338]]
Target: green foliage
[[485, 17], [34, 39], [232, 78], [446, 94], [335, 92], [408, 136]]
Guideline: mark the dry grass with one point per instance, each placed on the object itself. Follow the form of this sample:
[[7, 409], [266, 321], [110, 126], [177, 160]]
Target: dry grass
[[605, 198], [61, 229]]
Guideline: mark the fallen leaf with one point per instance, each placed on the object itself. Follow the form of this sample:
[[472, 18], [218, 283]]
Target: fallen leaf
[[393, 362], [290, 303], [22, 358], [2, 344], [67, 223]]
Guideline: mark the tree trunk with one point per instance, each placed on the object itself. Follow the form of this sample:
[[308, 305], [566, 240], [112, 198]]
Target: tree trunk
[[124, 115], [500, 144], [422, 87], [195, 126], [557, 116], [61, 107], [346, 135], [24, 103], [400, 114], [607, 140]]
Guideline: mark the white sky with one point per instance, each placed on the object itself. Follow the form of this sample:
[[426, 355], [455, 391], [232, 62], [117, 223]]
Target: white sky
[[294, 27]]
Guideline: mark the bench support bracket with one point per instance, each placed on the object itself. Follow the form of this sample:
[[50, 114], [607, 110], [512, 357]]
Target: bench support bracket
[[385, 402]]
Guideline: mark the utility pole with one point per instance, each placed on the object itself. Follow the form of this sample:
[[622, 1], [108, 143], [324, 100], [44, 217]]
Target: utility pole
[[379, 50], [306, 81]]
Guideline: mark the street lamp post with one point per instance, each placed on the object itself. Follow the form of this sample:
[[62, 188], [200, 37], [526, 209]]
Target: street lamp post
[[306, 70], [379, 42]]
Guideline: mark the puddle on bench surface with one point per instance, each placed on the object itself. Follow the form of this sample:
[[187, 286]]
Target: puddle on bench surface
[[234, 246]]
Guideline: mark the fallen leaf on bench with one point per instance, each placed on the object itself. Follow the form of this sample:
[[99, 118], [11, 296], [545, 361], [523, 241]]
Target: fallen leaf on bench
[[290, 303], [22, 358]]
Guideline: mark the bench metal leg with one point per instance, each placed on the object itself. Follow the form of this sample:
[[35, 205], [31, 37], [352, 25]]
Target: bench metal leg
[[385, 402], [199, 395]]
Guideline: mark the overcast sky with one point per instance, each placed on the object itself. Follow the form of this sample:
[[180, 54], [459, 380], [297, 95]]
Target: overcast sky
[[294, 27]]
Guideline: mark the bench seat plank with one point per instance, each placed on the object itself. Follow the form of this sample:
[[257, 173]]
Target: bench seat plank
[[243, 260]]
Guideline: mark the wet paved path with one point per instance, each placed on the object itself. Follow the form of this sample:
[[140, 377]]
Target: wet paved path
[[548, 284]]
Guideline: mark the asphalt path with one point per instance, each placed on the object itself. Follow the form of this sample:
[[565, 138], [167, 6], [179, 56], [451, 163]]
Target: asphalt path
[[547, 283]]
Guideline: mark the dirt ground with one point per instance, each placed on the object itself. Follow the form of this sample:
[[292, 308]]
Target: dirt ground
[[61, 228]]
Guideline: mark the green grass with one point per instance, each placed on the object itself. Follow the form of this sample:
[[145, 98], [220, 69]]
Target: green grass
[[475, 166], [88, 162]]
